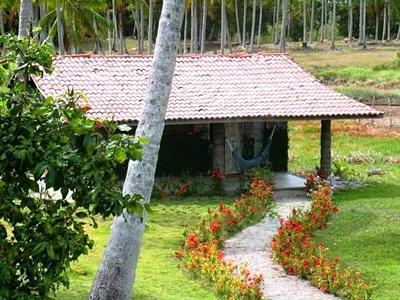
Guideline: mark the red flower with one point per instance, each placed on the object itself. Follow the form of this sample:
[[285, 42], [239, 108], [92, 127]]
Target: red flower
[[192, 241], [85, 107], [214, 226], [179, 253]]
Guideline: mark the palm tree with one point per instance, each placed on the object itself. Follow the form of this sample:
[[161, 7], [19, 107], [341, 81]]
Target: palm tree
[[282, 47], [237, 23], [244, 23], [253, 25], [384, 21], [150, 28], [223, 33], [322, 24], [333, 47], [304, 24], [25, 16], [350, 20], [204, 26], [117, 271], [310, 38], [259, 24]]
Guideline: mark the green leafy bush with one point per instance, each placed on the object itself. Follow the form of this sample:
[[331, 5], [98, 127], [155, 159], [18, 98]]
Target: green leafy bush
[[57, 168]]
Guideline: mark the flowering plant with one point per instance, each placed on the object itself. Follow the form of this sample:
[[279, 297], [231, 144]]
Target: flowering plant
[[293, 248], [217, 184], [314, 182], [201, 253]]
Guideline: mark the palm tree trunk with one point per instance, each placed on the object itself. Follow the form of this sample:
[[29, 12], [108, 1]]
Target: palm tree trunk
[[109, 33], [384, 22], [398, 33], [114, 15], [223, 35], [326, 6], [304, 24], [273, 25], [389, 15], [97, 44], [282, 47], [25, 16], [185, 32], [122, 47], [333, 47], [259, 25], [141, 27], [204, 26], [116, 273], [193, 35], [322, 25], [310, 38], [60, 29], [244, 23], [364, 30], [196, 26], [227, 34], [2, 31], [150, 29], [237, 23], [350, 25], [253, 25], [376, 25], [279, 6], [360, 23]]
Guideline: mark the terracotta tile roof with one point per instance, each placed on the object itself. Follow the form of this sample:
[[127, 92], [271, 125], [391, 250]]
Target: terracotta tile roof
[[215, 88]]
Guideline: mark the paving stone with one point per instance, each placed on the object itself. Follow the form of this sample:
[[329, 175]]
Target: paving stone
[[252, 246]]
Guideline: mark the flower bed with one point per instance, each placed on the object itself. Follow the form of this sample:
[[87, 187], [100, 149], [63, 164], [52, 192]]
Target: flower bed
[[294, 249], [201, 253]]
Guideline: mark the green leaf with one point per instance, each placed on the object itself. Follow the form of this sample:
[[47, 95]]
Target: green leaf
[[81, 214], [124, 128], [148, 208], [39, 170], [89, 143], [120, 155], [3, 232], [39, 248], [50, 251]]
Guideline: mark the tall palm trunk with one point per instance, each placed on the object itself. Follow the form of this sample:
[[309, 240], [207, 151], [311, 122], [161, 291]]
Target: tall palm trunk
[[185, 31], [60, 29], [204, 26], [360, 26], [122, 47], [115, 25], [376, 25], [350, 21], [193, 19], [109, 32], [326, 6], [273, 25], [223, 34], [237, 23], [364, 29], [279, 6], [310, 38], [25, 16], [304, 24], [398, 33], [141, 26], [150, 29], [333, 46], [322, 24], [282, 46], [116, 273], [389, 16], [259, 25], [253, 25], [2, 31], [384, 22], [227, 33], [244, 23]]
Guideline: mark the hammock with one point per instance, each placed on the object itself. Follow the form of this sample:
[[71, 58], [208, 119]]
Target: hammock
[[247, 164]]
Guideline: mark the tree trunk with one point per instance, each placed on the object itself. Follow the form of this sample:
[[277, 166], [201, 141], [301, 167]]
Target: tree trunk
[[114, 15], [259, 25], [304, 24], [322, 25], [150, 29], [2, 31], [25, 16], [398, 33], [244, 23], [325, 163], [223, 35], [279, 6], [122, 48], [253, 25], [389, 15], [274, 25], [193, 35], [333, 47], [204, 26], [360, 25], [109, 33], [376, 25], [364, 30], [97, 44], [227, 34], [60, 29], [310, 38], [185, 31], [141, 27], [384, 22], [282, 47], [350, 25], [116, 273], [237, 23]]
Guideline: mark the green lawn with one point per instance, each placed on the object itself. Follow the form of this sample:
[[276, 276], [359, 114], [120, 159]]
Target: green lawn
[[158, 276], [365, 234]]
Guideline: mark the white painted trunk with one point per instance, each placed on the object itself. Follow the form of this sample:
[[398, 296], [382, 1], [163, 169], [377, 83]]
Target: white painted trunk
[[253, 25], [204, 26], [282, 47], [25, 16], [116, 273], [237, 23], [384, 22]]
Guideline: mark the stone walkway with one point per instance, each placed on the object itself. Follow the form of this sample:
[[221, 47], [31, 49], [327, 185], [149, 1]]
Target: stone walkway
[[252, 246]]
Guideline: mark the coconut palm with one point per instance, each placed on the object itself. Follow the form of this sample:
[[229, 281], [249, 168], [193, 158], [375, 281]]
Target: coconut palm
[[25, 17]]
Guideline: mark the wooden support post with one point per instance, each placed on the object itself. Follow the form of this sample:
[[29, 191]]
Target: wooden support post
[[233, 133], [218, 148], [326, 157]]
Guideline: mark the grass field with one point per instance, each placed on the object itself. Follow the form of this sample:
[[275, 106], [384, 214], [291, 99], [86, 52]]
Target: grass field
[[365, 234], [158, 276]]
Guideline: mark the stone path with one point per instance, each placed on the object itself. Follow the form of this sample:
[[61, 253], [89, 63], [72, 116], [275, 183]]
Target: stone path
[[252, 246]]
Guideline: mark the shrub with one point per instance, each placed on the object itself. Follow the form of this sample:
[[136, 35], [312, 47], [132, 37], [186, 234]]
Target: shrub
[[294, 249], [217, 183], [201, 253], [50, 145]]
